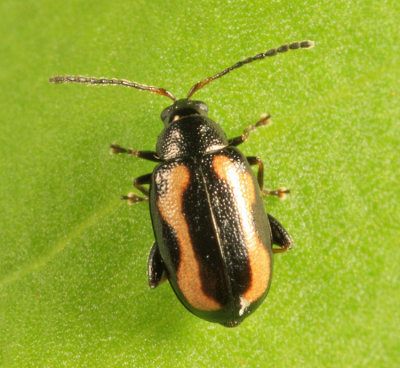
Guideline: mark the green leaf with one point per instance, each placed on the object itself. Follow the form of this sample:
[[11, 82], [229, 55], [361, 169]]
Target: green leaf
[[73, 287]]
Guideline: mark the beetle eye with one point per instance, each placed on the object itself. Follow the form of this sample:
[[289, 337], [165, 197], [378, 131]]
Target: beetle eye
[[203, 107], [165, 113]]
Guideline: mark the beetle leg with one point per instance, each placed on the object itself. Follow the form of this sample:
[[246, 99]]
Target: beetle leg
[[155, 267], [138, 183], [280, 193], [133, 198], [147, 155], [280, 236], [264, 119], [252, 160], [144, 179]]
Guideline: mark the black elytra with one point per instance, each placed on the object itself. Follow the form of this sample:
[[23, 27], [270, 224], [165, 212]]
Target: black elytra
[[214, 239]]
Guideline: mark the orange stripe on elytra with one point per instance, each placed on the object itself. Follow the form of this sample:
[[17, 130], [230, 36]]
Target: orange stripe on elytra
[[170, 205], [242, 186]]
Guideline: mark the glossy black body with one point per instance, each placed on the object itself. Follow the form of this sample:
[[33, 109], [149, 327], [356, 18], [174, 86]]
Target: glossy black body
[[214, 223]]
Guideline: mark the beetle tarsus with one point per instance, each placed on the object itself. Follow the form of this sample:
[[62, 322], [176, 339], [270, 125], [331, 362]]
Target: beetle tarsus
[[132, 198], [116, 149], [280, 193]]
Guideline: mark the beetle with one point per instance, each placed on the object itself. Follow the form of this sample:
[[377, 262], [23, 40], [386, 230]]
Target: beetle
[[213, 238]]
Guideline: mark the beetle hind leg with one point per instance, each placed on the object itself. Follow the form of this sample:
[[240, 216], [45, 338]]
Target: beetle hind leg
[[280, 236], [155, 267]]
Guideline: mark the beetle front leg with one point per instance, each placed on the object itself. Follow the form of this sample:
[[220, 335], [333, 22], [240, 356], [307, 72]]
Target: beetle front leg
[[138, 183], [156, 273], [264, 119], [280, 236], [147, 155]]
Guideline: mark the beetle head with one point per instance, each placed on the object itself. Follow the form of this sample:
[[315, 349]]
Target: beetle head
[[181, 108]]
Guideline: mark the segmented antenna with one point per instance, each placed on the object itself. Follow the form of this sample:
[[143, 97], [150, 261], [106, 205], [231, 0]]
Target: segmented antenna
[[113, 81], [272, 52]]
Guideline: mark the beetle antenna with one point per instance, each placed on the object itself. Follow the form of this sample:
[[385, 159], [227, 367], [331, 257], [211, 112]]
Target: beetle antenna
[[113, 81], [272, 52]]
